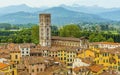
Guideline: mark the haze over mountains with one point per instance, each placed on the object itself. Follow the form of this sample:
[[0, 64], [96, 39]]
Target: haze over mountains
[[22, 14]]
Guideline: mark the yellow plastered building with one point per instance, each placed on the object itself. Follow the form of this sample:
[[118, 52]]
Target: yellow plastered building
[[67, 57], [8, 69], [107, 59], [15, 56], [86, 53]]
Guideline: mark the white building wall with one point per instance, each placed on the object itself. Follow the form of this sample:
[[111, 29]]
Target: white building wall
[[24, 51], [78, 63]]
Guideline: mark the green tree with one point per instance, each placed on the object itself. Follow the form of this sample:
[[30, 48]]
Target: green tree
[[96, 38], [100, 37], [10, 40], [35, 34], [91, 37], [70, 31], [110, 40], [55, 31]]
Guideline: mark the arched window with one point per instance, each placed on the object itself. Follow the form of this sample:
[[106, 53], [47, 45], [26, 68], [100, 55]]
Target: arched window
[[41, 69]]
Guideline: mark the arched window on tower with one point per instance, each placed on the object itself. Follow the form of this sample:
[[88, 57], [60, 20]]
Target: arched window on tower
[[41, 29], [47, 29], [47, 38]]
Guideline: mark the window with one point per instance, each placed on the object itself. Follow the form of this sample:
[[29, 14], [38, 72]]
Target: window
[[105, 54], [32, 70], [22, 52], [47, 29], [16, 57], [47, 38], [98, 61], [47, 19], [14, 66], [47, 23], [41, 29], [11, 67], [98, 55], [13, 73], [37, 69], [67, 55], [32, 64], [73, 55], [104, 61], [26, 48], [41, 69], [10, 56], [27, 52], [95, 62], [48, 33], [69, 64], [67, 60], [64, 58]]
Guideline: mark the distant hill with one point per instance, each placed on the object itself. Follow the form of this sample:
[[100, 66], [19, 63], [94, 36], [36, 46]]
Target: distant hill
[[113, 15], [63, 14], [85, 9], [18, 8], [60, 16], [88, 9], [19, 18]]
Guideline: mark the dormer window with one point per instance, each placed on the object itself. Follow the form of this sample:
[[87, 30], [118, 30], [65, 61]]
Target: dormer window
[[26, 48]]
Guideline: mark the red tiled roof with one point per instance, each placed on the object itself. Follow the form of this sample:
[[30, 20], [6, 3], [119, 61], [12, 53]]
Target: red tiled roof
[[65, 38], [96, 68], [2, 65]]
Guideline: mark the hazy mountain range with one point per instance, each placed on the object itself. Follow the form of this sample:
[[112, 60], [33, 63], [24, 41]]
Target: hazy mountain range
[[22, 14]]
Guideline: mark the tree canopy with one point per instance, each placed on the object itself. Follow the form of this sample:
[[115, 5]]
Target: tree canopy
[[31, 35], [70, 31]]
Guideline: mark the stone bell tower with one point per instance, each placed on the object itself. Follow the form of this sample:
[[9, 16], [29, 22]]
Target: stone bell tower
[[45, 30]]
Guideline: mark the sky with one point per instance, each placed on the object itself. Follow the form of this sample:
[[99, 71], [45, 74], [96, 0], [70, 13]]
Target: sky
[[51, 3]]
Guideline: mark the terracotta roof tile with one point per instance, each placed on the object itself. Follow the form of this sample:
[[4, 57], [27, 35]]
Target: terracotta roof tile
[[23, 73], [109, 43], [83, 68], [96, 68], [65, 38], [2, 65]]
